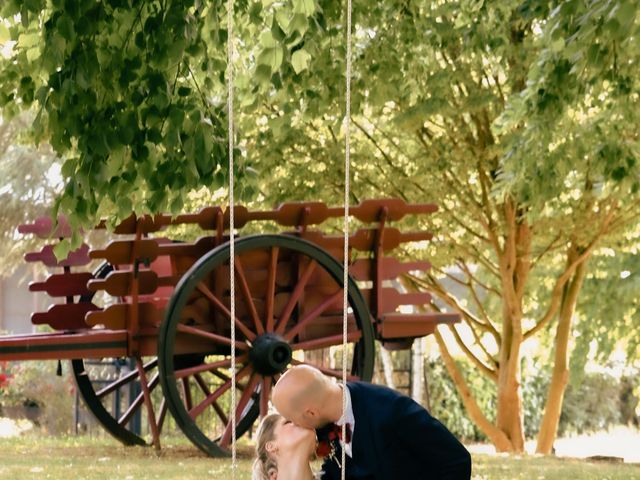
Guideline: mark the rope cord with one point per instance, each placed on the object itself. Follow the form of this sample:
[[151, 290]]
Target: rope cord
[[234, 463], [347, 188]]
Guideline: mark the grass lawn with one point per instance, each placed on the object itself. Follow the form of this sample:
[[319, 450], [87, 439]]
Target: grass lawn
[[73, 458]]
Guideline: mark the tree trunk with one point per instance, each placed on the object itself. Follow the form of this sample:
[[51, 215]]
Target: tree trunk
[[560, 375], [509, 407], [514, 271], [387, 367], [495, 435]]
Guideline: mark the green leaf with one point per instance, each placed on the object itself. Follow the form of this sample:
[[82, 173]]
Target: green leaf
[[557, 45], [267, 40], [306, 7], [65, 28], [299, 23], [68, 168], [28, 40], [300, 60], [283, 17], [124, 206], [33, 54], [62, 249], [5, 36], [271, 57]]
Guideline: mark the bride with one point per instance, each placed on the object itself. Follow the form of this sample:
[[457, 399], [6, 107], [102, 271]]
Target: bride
[[283, 450]]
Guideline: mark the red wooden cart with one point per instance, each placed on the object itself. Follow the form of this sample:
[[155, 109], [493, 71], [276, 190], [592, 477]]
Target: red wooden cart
[[164, 306]]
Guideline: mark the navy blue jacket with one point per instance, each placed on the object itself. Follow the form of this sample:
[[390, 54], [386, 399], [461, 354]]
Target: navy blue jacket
[[396, 438]]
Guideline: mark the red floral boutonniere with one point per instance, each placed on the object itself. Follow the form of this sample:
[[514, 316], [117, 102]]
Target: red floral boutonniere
[[328, 437]]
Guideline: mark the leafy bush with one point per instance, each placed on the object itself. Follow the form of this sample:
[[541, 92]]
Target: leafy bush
[[598, 402], [35, 385], [446, 404]]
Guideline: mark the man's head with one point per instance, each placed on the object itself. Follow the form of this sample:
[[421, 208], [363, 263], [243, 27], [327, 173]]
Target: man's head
[[301, 395]]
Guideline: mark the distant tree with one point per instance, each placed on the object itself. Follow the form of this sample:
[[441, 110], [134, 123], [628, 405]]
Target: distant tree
[[29, 186]]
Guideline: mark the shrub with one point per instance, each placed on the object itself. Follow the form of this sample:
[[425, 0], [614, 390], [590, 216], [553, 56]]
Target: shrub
[[35, 385], [598, 402]]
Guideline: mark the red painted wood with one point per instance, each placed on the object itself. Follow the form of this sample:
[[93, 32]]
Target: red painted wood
[[368, 211], [65, 316], [198, 409], [64, 345], [391, 268], [43, 227], [391, 299], [399, 325], [325, 342], [116, 316], [365, 239], [75, 258], [207, 367], [65, 284], [225, 440], [120, 251], [119, 283]]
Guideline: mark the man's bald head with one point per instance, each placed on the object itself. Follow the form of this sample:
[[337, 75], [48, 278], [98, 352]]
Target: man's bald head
[[300, 394]]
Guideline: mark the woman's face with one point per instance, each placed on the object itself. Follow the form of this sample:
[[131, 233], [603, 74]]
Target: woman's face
[[288, 436]]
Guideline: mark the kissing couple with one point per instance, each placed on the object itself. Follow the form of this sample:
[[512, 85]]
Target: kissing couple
[[388, 435]]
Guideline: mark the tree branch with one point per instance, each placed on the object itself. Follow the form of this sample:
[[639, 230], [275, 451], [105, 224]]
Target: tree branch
[[556, 294], [490, 373]]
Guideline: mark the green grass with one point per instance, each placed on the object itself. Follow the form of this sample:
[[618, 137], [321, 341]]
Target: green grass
[[73, 458]]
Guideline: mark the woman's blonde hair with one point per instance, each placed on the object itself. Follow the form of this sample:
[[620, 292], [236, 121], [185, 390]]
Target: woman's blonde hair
[[265, 464]]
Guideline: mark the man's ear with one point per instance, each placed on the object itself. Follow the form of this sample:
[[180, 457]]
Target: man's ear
[[310, 412], [271, 447]]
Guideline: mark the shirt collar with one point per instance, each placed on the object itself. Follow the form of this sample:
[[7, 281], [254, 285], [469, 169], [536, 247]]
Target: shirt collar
[[347, 415]]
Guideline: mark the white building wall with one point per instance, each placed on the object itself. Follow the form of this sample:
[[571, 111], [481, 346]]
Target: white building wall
[[17, 302]]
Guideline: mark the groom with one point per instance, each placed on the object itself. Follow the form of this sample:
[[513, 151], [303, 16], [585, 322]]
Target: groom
[[389, 436]]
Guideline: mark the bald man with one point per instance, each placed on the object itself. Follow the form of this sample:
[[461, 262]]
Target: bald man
[[392, 437]]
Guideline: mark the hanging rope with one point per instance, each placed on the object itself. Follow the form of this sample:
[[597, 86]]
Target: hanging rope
[[347, 188], [232, 287]]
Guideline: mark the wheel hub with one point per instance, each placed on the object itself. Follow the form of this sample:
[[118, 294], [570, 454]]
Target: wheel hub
[[270, 354]]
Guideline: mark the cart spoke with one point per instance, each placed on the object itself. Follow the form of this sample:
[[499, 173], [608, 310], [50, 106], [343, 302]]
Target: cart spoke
[[205, 389], [162, 415], [226, 378], [295, 296], [126, 416], [146, 391], [211, 336], [205, 367], [324, 342], [125, 379], [327, 371], [187, 393], [198, 409], [313, 314], [221, 306], [242, 403], [271, 288], [265, 391], [244, 286]]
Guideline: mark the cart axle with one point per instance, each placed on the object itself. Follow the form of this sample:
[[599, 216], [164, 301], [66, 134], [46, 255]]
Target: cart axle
[[270, 354]]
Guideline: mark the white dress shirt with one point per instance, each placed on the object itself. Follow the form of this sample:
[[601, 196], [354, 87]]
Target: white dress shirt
[[347, 417]]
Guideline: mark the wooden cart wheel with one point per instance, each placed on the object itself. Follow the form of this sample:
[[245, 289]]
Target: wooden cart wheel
[[288, 306], [114, 397]]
